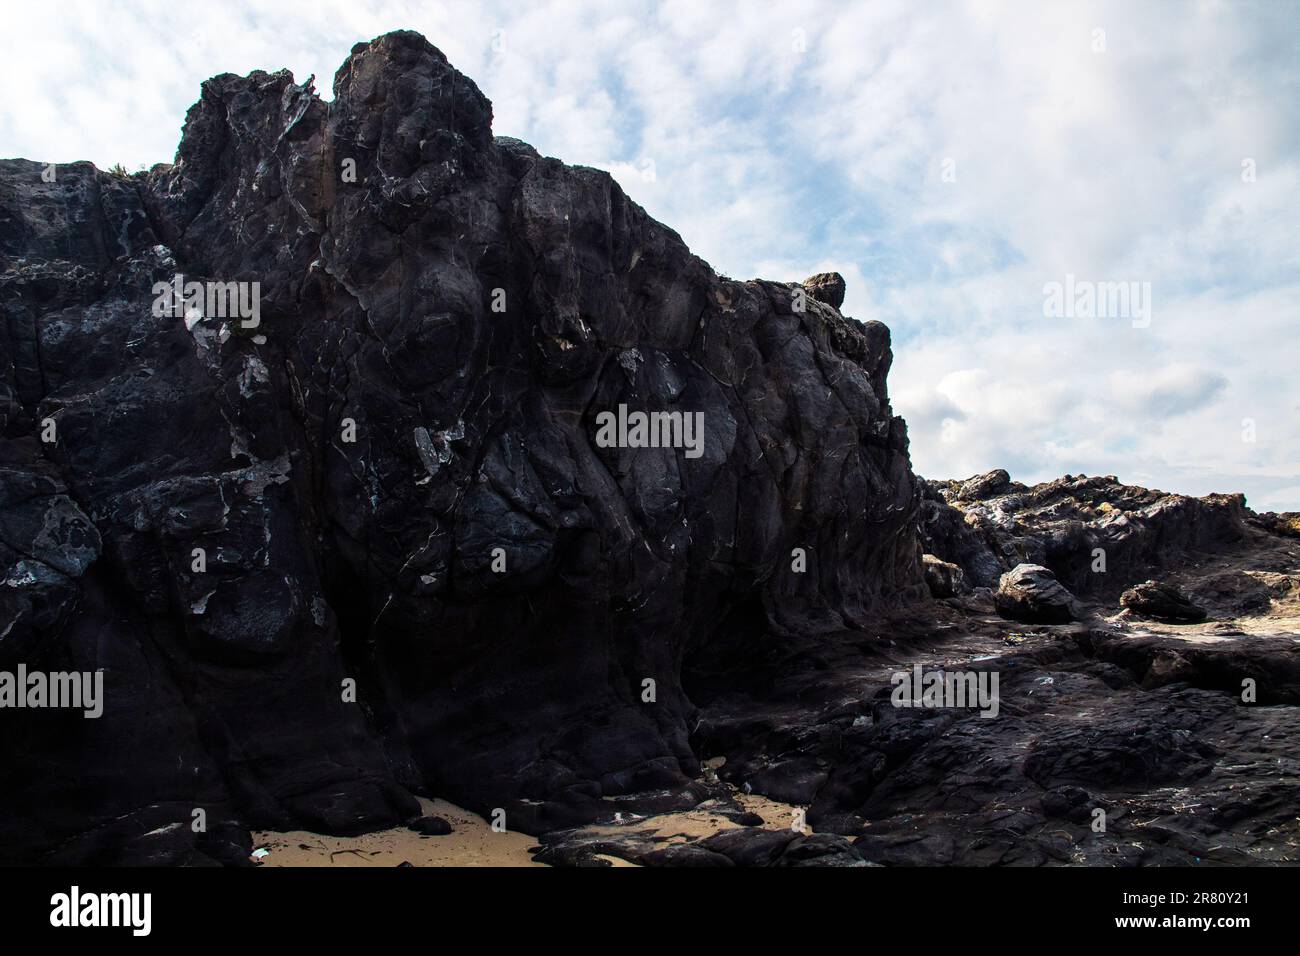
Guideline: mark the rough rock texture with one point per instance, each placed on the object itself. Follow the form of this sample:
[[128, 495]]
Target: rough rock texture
[[1287, 523], [1031, 593], [828, 287], [943, 578], [1162, 602], [1096, 535], [945, 534], [437, 336]]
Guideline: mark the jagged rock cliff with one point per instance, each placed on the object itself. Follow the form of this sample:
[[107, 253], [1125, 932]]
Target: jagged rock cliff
[[1097, 535], [390, 474]]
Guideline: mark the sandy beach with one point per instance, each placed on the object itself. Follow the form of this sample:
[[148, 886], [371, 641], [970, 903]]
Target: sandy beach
[[473, 843]]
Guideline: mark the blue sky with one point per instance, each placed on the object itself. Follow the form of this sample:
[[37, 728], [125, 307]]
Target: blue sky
[[1100, 140]]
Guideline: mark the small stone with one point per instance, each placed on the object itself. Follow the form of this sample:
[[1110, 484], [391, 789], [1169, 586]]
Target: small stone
[[430, 826]]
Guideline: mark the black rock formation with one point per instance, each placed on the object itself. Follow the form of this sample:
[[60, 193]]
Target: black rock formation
[[391, 475]]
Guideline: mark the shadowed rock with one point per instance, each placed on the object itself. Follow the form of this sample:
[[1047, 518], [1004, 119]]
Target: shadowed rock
[[943, 578], [395, 478], [1161, 601], [1031, 593]]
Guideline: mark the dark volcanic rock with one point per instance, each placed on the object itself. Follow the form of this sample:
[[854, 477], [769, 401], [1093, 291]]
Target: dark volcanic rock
[[1131, 754], [1032, 594], [945, 534], [821, 849], [687, 854], [1072, 803], [1231, 593], [750, 846], [1162, 602], [374, 543], [394, 478]]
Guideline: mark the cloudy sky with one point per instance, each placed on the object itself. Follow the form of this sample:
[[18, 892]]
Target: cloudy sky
[[952, 160]]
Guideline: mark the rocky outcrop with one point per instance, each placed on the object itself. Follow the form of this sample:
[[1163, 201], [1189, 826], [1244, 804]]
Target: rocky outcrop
[[1097, 536], [369, 541], [1286, 523], [945, 534]]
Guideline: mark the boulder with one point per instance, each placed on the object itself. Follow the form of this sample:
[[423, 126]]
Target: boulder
[[1162, 602], [430, 826], [1031, 593], [750, 846], [827, 287], [822, 849], [685, 854], [984, 486], [944, 579]]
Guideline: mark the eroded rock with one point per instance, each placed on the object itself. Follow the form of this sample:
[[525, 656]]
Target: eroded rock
[[943, 578], [1031, 593], [827, 287]]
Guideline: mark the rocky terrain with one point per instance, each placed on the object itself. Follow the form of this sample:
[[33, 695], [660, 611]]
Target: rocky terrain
[[368, 545], [1109, 708]]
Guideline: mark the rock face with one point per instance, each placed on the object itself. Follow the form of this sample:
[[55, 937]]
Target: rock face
[[392, 475], [1031, 593], [945, 534]]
